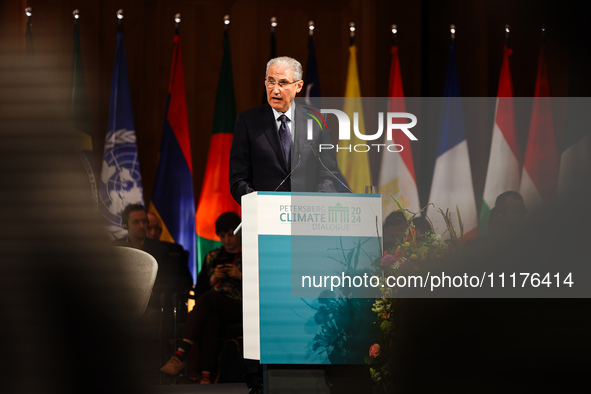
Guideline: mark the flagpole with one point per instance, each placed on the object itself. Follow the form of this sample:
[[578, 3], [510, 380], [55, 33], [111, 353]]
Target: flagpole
[[507, 35], [273, 38], [28, 13], [177, 23], [120, 17], [394, 35], [273, 52], [452, 31], [29, 32], [311, 80], [273, 24], [352, 34]]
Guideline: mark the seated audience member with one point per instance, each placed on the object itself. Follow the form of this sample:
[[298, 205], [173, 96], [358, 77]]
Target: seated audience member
[[178, 255], [422, 226], [154, 230], [394, 227], [169, 278], [222, 304], [509, 210]]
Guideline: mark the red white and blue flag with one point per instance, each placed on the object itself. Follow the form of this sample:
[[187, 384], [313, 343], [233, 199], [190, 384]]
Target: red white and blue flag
[[452, 179]]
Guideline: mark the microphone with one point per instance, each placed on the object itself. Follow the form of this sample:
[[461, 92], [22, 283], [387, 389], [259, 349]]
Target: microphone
[[293, 169], [329, 171], [239, 228]]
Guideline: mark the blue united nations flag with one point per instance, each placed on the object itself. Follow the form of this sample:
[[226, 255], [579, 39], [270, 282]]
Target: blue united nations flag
[[121, 182]]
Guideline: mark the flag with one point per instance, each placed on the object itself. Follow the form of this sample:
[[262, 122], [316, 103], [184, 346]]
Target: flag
[[504, 163], [121, 181], [452, 178], [29, 35], [354, 165], [172, 197], [397, 174], [539, 179], [311, 82], [273, 45], [215, 196], [79, 115], [272, 55]]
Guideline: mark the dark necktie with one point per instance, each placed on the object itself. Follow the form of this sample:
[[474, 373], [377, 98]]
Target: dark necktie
[[285, 137]]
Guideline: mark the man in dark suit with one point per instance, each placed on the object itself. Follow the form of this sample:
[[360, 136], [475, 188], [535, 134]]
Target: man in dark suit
[[271, 141], [271, 152]]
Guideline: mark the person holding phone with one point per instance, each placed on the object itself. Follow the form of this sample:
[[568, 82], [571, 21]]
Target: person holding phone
[[221, 304]]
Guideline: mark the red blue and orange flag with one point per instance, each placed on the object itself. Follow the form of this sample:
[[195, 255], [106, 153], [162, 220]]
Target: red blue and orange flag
[[172, 197]]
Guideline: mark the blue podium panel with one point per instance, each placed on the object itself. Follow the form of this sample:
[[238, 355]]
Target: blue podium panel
[[308, 260], [331, 328]]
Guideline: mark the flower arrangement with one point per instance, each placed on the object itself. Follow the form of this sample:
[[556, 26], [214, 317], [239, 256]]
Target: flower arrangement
[[414, 251], [381, 352]]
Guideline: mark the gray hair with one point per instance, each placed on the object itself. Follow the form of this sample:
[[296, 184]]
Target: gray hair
[[289, 62]]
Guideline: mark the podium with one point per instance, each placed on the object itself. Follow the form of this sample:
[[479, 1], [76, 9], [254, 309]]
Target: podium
[[308, 260]]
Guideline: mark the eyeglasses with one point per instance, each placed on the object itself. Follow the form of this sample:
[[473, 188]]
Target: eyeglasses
[[270, 84]]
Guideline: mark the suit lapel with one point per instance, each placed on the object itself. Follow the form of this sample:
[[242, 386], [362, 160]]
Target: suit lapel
[[301, 134], [272, 135]]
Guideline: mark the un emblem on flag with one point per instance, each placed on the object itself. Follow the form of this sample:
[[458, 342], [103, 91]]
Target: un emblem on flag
[[121, 182]]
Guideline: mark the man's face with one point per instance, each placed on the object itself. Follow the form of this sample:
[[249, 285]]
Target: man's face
[[137, 225], [154, 230], [230, 242], [280, 98]]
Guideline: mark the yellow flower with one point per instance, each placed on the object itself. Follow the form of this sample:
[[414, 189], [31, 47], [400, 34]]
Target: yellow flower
[[413, 257], [406, 245]]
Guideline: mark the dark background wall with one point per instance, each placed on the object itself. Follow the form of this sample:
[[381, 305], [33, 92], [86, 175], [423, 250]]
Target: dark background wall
[[423, 40]]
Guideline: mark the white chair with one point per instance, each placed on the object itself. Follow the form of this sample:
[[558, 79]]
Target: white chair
[[141, 269]]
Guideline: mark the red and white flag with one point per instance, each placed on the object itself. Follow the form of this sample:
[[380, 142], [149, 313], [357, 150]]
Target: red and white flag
[[504, 163], [397, 174], [539, 178]]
